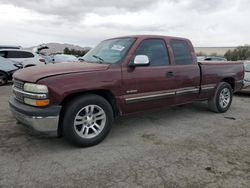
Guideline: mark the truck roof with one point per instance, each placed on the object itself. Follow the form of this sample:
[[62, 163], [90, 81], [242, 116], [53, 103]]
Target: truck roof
[[151, 36]]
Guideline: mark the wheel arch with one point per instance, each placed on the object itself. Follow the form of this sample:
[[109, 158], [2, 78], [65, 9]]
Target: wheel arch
[[230, 80], [5, 73], [106, 94]]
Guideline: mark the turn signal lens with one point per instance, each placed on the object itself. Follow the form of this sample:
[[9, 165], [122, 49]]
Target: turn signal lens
[[35, 102], [42, 102]]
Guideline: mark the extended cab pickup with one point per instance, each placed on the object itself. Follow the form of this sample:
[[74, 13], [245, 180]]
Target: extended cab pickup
[[120, 76]]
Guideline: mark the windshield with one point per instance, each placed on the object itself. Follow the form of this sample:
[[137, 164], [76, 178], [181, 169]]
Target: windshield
[[109, 51], [247, 67]]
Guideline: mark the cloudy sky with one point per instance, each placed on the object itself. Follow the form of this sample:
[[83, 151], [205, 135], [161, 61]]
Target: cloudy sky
[[86, 22]]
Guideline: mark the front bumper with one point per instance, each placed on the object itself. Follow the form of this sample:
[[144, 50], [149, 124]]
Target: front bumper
[[40, 119]]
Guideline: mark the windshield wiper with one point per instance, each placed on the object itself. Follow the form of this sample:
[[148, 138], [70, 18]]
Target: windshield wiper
[[99, 58]]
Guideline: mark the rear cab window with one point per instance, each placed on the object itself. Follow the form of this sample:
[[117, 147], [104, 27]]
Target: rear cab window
[[182, 53], [156, 51]]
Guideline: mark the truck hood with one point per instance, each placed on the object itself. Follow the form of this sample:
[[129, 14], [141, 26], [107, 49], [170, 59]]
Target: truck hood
[[33, 74]]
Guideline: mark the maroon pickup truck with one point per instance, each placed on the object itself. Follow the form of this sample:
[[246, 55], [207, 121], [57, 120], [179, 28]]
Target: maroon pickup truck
[[119, 76]]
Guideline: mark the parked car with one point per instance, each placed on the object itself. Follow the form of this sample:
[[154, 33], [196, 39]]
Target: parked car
[[7, 68], [62, 58], [28, 58], [47, 58], [120, 76], [246, 88], [200, 58], [80, 58], [214, 58], [9, 47]]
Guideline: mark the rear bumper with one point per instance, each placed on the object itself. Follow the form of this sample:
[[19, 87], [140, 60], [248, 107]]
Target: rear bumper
[[39, 119], [246, 85], [245, 90]]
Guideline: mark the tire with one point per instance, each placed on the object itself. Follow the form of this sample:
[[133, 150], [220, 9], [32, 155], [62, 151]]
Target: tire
[[3, 78], [222, 99], [87, 120]]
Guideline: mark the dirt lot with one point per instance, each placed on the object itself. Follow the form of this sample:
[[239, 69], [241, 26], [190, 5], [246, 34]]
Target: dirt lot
[[185, 146]]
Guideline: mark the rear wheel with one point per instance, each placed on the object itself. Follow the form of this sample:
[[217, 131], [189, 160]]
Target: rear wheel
[[87, 120], [222, 99], [3, 78]]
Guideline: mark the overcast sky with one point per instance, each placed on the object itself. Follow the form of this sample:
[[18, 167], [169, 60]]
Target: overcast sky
[[86, 22]]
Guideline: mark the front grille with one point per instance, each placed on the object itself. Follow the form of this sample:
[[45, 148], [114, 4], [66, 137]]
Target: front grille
[[19, 97], [18, 84]]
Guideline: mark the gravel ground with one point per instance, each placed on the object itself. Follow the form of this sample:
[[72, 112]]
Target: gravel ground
[[186, 146]]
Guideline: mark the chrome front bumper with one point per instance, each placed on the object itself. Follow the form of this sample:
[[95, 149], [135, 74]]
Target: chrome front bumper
[[39, 119], [41, 124]]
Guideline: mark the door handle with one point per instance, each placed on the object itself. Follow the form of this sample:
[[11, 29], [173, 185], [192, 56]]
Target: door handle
[[169, 74]]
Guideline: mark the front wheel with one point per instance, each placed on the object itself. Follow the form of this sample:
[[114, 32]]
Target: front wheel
[[222, 99], [87, 120], [3, 78]]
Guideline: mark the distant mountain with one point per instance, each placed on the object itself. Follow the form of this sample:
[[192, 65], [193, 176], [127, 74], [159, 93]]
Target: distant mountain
[[58, 48]]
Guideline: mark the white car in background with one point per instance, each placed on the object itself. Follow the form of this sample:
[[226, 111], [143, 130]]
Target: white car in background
[[246, 88], [28, 58], [7, 68], [9, 47], [63, 58]]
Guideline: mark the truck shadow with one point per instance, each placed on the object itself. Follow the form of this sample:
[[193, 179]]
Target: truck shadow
[[244, 95], [130, 126]]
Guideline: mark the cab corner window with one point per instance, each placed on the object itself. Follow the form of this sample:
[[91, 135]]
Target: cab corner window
[[182, 52], [156, 51]]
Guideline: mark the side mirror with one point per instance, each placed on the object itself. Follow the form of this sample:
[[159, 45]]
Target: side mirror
[[19, 65], [140, 60]]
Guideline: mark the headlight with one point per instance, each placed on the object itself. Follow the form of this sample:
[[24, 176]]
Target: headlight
[[35, 88]]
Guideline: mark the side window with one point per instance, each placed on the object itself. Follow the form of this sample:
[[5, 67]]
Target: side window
[[182, 52], [156, 51], [19, 54]]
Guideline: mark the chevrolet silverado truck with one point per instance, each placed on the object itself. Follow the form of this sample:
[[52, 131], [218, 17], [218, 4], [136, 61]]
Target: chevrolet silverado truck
[[80, 101]]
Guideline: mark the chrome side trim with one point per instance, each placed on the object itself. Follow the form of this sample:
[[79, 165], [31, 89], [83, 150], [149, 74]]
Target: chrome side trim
[[187, 91], [208, 87], [30, 95], [132, 91], [149, 97], [182, 91]]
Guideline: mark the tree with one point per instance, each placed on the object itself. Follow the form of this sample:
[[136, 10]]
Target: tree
[[66, 51], [201, 54], [75, 52], [240, 53]]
